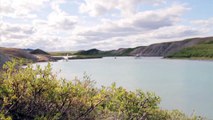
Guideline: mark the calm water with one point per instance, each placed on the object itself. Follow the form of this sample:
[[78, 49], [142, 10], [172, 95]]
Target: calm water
[[182, 84]]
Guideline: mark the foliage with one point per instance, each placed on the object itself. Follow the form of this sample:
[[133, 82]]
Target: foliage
[[204, 50], [35, 93]]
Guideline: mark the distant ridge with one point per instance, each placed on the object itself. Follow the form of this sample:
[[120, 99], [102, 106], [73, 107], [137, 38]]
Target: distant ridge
[[88, 52], [160, 49], [17, 53], [39, 51], [168, 48], [28, 50], [7, 54]]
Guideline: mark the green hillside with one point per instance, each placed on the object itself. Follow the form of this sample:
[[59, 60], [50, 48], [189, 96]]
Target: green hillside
[[203, 50]]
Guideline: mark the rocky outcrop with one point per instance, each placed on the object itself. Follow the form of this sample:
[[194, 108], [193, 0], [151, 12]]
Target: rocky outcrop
[[122, 51], [137, 50]]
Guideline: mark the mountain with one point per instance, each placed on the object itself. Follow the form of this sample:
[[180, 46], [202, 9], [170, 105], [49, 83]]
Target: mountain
[[122, 51], [7, 54], [202, 50], [28, 50], [17, 53], [159, 49], [39, 51], [168, 48], [89, 52]]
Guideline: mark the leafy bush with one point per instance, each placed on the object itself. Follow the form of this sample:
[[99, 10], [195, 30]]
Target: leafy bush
[[34, 93]]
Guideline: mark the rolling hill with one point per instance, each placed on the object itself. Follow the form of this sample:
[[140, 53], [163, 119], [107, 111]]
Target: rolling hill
[[7, 54], [203, 50], [167, 49]]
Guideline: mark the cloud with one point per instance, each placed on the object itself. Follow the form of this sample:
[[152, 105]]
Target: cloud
[[174, 32], [155, 19], [15, 28], [59, 19], [204, 25], [20, 8], [207, 23], [62, 21], [15, 31], [101, 7], [135, 24]]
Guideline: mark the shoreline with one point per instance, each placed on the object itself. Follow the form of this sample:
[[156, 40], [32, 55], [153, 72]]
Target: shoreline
[[57, 58], [99, 57], [192, 58]]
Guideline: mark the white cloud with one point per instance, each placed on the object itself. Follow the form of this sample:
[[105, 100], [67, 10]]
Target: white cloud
[[206, 23], [59, 19], [15, 31], [20, 8], [100, 7], [17, 28], [62, 21], [135, 24], [174, 32]]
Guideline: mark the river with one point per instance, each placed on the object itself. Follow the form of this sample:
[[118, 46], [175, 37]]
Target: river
[[186, 85]]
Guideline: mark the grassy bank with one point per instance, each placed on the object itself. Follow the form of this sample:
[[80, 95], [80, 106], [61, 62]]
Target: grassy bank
[[202, 51]]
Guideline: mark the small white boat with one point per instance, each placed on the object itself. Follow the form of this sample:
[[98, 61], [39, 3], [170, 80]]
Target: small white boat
[[66, 58], [137, 56]]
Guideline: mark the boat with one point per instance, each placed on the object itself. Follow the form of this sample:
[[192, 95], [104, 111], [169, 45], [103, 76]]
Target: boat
[[137, 56], [66, 58]]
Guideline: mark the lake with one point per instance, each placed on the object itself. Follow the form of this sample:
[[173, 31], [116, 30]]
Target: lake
[[186, 85]]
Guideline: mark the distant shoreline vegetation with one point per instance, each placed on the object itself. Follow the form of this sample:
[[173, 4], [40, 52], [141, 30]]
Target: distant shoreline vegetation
[[200, 51], [36, 93]]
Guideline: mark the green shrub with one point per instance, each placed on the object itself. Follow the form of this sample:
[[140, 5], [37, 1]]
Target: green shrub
[[199, 51], [35, 93]]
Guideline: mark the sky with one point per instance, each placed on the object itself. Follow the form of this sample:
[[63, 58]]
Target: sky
[[70, 25]]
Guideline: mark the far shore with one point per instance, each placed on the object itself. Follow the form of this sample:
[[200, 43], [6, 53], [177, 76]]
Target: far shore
[[50, 58], [74, 57], [191, 58]]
